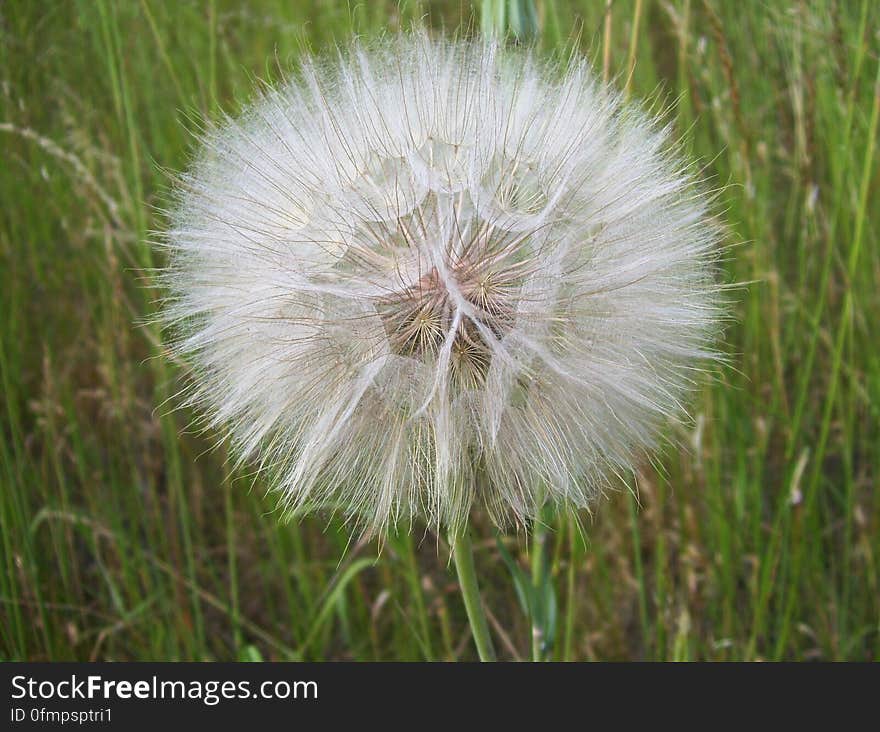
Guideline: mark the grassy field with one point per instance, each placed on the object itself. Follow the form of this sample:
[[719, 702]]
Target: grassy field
[[125, 537]]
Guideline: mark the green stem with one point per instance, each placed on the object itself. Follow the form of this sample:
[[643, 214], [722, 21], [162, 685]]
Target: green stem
[[539, 541], [463, 556], [571, 598]]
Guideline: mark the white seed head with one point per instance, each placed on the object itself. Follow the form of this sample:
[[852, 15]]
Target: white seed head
[[430, 275]]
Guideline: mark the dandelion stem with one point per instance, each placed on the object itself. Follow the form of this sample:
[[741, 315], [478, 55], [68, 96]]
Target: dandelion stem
[[463, 556], [539, 541]]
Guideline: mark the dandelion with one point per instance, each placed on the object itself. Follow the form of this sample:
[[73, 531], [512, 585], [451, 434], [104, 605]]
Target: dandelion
[[437, 275]]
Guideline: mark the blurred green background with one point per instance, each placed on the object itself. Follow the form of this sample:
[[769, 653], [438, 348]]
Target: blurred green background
[[124, 536]]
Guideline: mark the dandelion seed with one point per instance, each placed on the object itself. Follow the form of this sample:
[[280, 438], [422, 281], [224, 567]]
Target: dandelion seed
[[435, 275]]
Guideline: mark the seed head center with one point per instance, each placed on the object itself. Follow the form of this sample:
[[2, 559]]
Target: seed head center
[[419, 318]]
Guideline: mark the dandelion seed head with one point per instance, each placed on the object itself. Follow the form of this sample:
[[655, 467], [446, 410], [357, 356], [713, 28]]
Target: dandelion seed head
[[432, 275]]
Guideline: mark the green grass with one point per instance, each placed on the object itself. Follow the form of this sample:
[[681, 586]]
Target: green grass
[[124, 536]]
